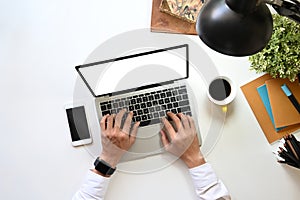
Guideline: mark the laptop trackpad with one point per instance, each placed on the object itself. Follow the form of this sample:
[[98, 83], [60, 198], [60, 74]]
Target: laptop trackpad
[[148, 140]]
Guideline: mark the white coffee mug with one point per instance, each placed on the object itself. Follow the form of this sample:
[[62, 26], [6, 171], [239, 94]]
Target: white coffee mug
[[221, 91]]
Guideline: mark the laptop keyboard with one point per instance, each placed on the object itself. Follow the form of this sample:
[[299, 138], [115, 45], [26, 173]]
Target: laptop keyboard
[[150, 107]]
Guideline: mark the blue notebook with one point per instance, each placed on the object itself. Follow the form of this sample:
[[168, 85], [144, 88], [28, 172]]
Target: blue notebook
[[263, 93]]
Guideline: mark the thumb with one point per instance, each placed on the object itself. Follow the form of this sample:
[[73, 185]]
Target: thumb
[[164, 139]]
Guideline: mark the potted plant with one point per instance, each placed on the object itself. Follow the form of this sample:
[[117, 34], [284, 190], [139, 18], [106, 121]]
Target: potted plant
[[281, 57]]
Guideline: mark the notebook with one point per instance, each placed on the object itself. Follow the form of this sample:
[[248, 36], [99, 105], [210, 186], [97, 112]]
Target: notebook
[[283, 110]]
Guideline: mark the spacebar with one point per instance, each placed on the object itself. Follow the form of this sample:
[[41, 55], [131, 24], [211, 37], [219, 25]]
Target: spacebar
[[149, 122]]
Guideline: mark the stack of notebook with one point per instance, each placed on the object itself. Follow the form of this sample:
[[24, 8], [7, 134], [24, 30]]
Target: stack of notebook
[[274, 111]]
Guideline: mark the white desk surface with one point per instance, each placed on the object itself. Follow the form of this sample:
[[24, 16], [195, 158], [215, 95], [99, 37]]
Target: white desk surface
[[40, 43]]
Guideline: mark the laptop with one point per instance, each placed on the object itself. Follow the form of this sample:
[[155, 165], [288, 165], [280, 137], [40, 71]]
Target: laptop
[[149, 83]]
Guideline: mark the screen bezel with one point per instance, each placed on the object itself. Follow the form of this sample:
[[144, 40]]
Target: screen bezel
[[132, 56]]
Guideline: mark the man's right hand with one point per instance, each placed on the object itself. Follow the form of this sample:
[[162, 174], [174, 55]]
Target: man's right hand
[[181, 139]]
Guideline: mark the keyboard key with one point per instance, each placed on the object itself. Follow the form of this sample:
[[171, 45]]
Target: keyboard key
[[139, 112], [157, 108], [189, 113], [145, 123], [169, 106], [155, 103], [103, 107], [139, 100], [144, 117], [150, 116], [121, 104], [103, 103], [182, 91], [185, 96], [143, 105], [151, 98], [131, 108], [133, 101], [146, 111], [105, 113], [162, 95], [137, 106], [167, 100], [126, 102], [149, 104], [183, 103], [138, 118], [156, 96], [145, 99], [155, 115], [162, 114], [115, 105], [178, 98], [186, 108], [151, 109], [134, 113], [161, 101], [178, 110], [163, 107]]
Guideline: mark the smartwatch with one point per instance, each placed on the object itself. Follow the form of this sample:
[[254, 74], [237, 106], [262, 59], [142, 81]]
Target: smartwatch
[[103, 167]]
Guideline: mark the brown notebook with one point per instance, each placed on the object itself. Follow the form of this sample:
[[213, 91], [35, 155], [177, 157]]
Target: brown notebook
[[284, 113], [163, 22], [257, 106]]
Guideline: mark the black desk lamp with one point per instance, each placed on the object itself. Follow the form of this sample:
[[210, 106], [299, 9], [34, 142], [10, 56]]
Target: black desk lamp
[[241, 27]]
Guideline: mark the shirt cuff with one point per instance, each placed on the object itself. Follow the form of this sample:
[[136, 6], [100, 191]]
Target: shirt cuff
[[203, 175], [94, 186]]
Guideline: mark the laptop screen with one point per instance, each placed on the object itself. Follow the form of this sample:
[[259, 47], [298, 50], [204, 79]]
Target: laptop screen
[[126, 73]]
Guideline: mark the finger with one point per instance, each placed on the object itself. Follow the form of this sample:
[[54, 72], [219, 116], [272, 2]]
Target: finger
[[192, 124], [134, 131], [175, 119], [164, 138], [119, 117], [127, 123], [110, 121], [169, 128], [103, 122], [184, 120]]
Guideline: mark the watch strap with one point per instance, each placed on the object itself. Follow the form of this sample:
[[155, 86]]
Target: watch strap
[[103, 167]]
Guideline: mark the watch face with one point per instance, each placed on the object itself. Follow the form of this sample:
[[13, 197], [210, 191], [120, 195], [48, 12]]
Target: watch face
[[103, 167]]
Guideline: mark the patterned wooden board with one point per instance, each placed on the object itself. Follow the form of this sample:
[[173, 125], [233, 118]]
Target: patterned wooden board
[[163, 22]]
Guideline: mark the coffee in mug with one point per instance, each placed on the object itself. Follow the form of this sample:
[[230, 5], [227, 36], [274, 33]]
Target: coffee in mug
[[221, 90]]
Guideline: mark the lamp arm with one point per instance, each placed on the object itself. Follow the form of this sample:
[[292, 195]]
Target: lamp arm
[[288, 8]]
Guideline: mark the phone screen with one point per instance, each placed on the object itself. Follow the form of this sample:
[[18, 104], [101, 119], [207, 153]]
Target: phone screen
[[78, 123]]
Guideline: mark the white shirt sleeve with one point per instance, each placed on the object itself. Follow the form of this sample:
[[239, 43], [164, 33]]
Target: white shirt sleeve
[[93, 187], [207, 184]]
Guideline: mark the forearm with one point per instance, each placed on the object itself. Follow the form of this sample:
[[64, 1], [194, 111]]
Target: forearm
[[206, 183], [93, 187]]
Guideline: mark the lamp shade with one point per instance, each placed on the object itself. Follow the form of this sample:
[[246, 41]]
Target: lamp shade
[[235, 27]]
